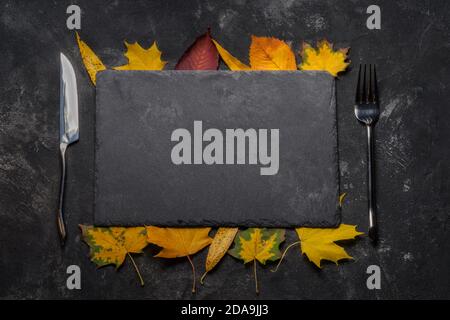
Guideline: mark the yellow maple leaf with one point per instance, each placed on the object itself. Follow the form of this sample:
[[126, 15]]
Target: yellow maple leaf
[[142, 59], [91, 61], [112, 245], [319, 243], [179, 242], [324, 58], [271, 54], [221, 243], [233, 63]]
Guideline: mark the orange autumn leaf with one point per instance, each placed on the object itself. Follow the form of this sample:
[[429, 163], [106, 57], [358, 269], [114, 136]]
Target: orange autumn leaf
[[179, 242], [265, 54], [271, 54]]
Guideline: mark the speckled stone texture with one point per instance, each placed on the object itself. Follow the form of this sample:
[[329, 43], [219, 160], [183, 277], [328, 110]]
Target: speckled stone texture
[[412, 146], [138, 184]]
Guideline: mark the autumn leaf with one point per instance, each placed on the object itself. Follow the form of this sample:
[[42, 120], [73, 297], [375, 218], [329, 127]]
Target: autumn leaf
[[265, 54], [179, 242], [112, 245], [233, 63], [142, 59], [324, 58], [221, 243], [201, 55], [271, 54], [92, 63], [255, 244], [319, 243]]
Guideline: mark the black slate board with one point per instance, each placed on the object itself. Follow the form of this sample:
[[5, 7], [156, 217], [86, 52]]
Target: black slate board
[[137, 183]]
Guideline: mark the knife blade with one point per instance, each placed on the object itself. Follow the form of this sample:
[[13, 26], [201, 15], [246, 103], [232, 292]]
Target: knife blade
[[68, 129]]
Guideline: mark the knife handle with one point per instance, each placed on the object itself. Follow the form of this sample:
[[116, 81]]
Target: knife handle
[[60, 216]]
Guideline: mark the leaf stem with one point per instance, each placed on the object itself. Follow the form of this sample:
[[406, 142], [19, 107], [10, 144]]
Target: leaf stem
[[284, 253], [193, 273], [203, 277], [137, 269], [256, 277]]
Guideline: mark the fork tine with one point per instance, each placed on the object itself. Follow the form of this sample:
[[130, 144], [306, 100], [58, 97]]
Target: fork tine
[[375, 86], [364, 87], [358, 87], [369, 88]]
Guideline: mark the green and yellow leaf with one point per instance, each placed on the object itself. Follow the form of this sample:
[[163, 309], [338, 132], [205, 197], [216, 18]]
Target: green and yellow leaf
[[255, 244], [258, 244], [112, 245]]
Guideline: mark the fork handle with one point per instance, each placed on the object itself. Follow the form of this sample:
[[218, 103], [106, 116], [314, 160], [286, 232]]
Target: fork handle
[[371, 184], [60, 216]]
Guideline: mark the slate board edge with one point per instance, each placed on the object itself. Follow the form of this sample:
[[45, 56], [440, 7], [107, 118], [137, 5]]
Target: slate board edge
[[206, 223], [338, 212]]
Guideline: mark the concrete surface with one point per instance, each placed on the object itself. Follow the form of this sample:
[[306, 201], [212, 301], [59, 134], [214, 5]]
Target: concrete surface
[[412, 144]]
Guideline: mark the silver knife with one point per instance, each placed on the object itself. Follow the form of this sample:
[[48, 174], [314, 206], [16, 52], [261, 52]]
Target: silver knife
[[68, 128]]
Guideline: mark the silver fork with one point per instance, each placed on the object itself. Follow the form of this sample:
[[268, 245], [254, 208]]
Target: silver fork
[[367, 111]]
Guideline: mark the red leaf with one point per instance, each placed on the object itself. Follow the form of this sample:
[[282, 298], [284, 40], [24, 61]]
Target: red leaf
[[201, 55]]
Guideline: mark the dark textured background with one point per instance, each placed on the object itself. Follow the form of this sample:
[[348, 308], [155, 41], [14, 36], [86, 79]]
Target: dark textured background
[[413, 58]]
